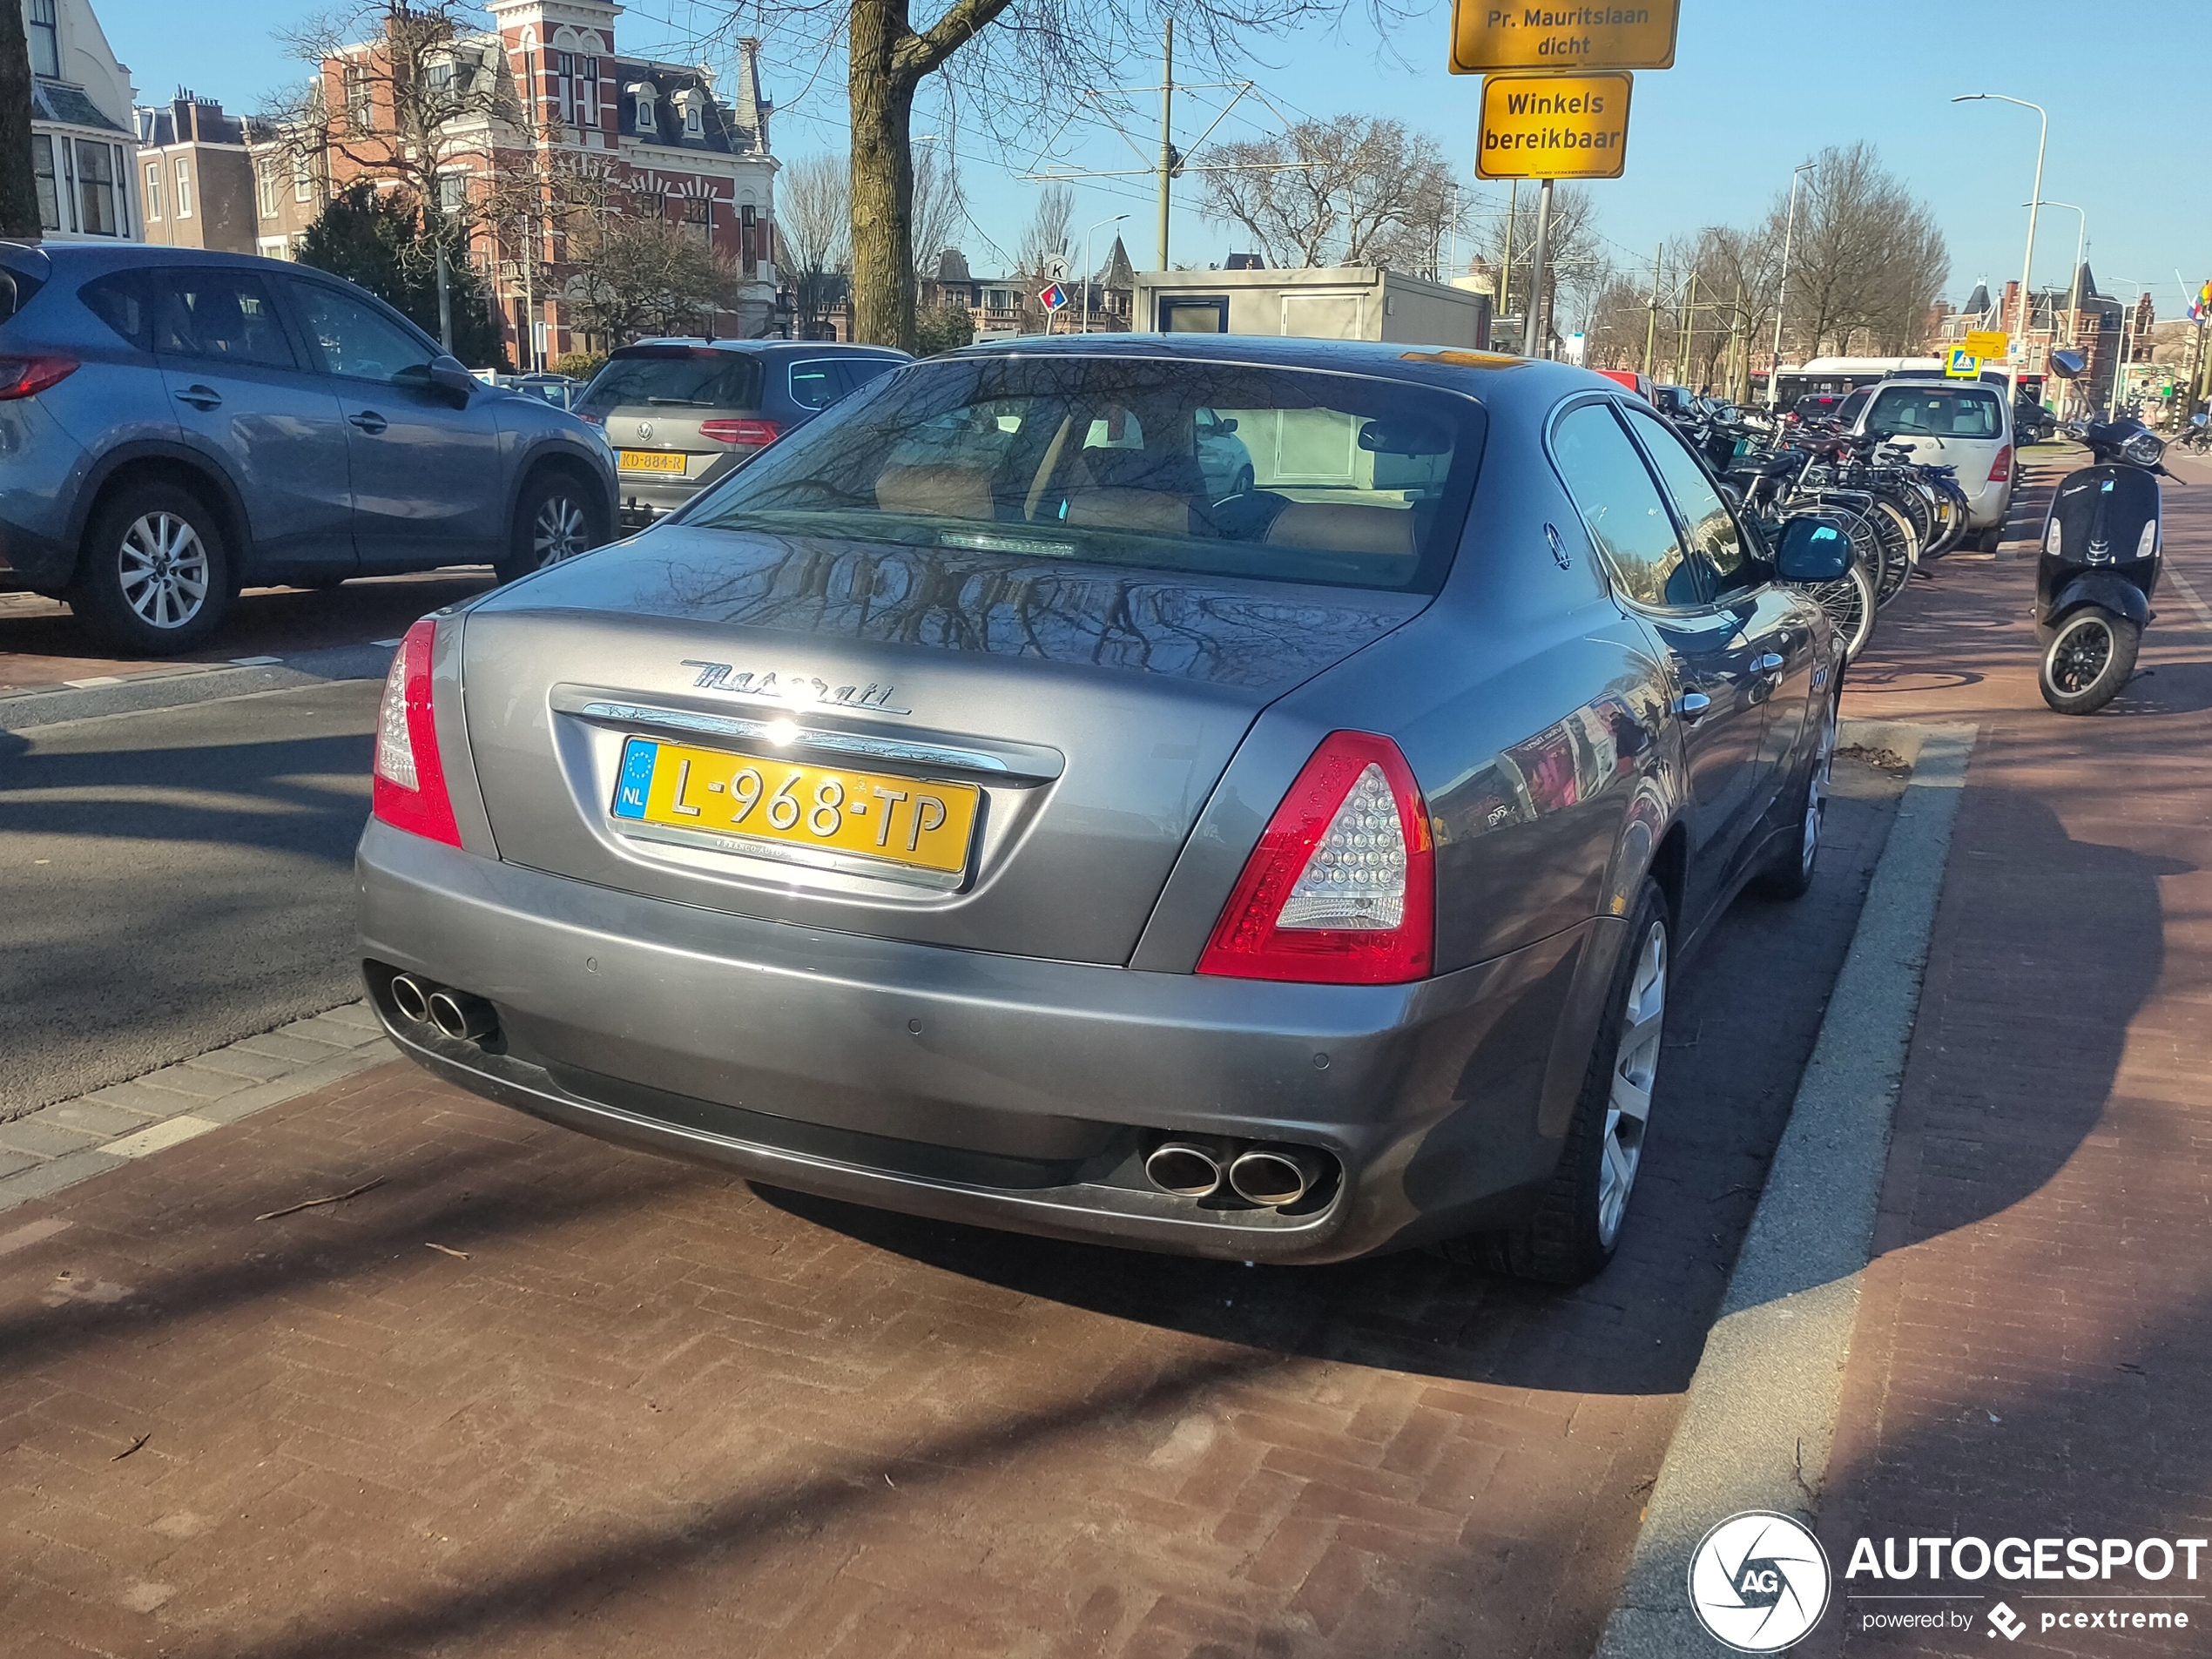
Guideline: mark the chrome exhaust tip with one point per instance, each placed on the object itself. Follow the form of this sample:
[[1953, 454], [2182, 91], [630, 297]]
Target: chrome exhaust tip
[[1274, 1176], [411, 997], [463, 1017], [1187, 1169]]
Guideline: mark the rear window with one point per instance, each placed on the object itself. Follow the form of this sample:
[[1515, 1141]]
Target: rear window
[[678, 377], [1936, 411], [120, 299], [1228, 470]]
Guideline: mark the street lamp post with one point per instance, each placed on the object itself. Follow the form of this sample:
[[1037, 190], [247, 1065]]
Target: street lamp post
[[2073, 288], [2035, 200], [1781, 297], [2120, 369], [1116, 219]]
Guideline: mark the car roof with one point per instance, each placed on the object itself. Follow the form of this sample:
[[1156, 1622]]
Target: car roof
[[1504, 383], [762, 347]]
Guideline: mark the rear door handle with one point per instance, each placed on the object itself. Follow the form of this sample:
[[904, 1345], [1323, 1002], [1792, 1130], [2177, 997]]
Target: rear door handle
[[1770, 664], [1691, 707], [368, 421], [202, 398]]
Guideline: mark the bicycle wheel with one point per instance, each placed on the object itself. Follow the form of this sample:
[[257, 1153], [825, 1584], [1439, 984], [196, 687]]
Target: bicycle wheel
[[1900, 550], [1848, 602], [1907, 499]]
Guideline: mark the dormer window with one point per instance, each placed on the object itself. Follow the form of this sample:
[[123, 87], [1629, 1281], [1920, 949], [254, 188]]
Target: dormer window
[[647, 119], [692, 102]]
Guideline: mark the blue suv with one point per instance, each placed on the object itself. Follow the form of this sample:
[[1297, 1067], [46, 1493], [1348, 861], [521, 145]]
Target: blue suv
[[175, 425]]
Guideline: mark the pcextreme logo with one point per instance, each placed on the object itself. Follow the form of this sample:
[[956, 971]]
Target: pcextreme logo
[[1758, 1582]]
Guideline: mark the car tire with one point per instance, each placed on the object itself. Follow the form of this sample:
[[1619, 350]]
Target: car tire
[[1791, 874], [555, 519], [1992, 539], [1577, 1224], [153, 577]]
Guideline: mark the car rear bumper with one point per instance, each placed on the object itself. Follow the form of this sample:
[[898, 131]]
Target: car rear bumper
[[1004, 1091]]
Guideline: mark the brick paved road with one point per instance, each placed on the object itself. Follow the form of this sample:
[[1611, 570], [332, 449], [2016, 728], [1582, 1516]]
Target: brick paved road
[[625, 1406], [2032, 1348]]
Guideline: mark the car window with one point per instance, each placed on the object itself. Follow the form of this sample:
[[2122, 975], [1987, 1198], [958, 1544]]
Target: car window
[[859, 371], [223, 316], [120, 299], [360, 343], [1361, 481], [816, 383], [1714, 535], [675, 377], [1937, 411], [1626, 517]]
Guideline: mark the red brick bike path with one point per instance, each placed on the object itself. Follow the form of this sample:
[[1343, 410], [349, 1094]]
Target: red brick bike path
[[2033, 1350]]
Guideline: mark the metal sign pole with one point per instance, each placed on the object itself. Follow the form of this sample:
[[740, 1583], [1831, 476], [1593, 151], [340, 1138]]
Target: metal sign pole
[[1538, 270]]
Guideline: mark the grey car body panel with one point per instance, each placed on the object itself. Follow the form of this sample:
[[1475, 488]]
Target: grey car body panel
[[1042, 1062], [117, 412], [1535, 709], [1017, 651]]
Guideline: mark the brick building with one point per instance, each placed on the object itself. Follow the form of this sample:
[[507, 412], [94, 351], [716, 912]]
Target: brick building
[[546, 114], [195, 175]]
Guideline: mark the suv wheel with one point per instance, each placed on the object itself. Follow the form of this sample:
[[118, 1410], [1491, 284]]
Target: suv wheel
[[554, 520], [154, 576]]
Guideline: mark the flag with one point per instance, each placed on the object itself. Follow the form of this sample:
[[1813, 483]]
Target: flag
[[2200, 307]]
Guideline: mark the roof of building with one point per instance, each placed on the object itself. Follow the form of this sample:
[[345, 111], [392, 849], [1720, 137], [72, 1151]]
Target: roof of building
[[189, 118], [56, 101]]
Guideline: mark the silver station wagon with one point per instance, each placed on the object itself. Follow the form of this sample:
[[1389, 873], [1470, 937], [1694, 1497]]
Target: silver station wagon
[[964, 810]]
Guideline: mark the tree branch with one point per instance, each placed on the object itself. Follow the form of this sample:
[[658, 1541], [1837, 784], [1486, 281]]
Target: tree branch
[[919, 54]]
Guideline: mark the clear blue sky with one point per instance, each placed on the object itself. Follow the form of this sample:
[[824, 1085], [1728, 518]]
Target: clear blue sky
[[1758, 86]]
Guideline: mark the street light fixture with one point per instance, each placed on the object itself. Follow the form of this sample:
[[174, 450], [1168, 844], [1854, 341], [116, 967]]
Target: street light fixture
[[2073, 288], [1116, 219], [2034, 200], [2120, 369], [1781, 299]]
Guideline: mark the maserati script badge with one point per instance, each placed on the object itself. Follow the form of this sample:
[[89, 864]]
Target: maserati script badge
[[794, 691]]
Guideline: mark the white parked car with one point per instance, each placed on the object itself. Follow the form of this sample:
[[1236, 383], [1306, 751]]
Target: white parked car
[[1952, 423]]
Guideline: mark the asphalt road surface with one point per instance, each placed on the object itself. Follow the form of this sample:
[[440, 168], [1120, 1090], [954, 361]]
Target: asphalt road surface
[[175, 878]]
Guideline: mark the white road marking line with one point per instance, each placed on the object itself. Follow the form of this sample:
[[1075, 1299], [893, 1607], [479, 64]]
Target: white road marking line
[[254, 662], [156, 1137], [96, 679], [2196, 601]]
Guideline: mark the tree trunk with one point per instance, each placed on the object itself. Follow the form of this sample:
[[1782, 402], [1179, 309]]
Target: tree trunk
[[883, 178], [18, 188]]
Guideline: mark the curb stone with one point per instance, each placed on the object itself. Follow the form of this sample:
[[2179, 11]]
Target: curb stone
[[1759, 1417], [73, 1140]]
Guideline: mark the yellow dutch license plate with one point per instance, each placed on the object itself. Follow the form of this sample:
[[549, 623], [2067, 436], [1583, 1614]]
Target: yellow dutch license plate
[[650, 461], [921, 824]]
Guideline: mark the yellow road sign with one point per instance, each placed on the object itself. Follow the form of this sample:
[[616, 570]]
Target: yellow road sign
[[1992, 343], [1553, 126], [1960, 364], [1492, 34]]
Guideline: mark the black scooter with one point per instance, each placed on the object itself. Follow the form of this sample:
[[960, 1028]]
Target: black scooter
[[2099, 561]]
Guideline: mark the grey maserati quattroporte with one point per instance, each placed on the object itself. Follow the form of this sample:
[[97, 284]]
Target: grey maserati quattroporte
[[962, 810]]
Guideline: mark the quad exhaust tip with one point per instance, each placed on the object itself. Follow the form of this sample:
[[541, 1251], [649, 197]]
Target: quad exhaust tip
[[1273, 1177], [1187, 1169], [411, 997], [461, 1017]]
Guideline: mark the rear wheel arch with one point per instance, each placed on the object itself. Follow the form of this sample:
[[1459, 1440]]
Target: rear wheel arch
[[214, 491]]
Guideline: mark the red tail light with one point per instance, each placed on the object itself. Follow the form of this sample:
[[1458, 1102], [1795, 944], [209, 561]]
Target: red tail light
[[408, 792], [759, 434], [1341, 889], [26, 376], [2002, 467]]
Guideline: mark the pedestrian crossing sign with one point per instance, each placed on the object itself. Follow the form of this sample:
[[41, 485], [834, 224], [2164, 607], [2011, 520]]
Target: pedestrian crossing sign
[[1961, 364]]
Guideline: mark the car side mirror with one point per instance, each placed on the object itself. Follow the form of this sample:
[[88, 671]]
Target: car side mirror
[[1813, 550], [449, 377]]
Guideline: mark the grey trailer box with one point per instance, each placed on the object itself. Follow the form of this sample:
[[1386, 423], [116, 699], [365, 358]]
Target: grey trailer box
[[1346, 302]]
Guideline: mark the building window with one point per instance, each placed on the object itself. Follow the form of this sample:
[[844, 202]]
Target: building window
[[153, 190], [749, 237], [648, 121], [691, 125], [45, 40], [42, 167], [184, 189], [587, 92], [453, 192], [699, 218], [264, 185], [360, 111], [96, 214], [303, 180]]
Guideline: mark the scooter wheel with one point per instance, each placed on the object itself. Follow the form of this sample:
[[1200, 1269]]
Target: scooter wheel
[[2090, 658]]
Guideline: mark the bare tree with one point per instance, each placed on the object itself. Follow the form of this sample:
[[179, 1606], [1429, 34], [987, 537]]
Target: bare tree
[[19, 214], [1578, 267], [814, 229], [637, 273], [1357, 189], [1045, 242], [939, 207], [1867, 259]]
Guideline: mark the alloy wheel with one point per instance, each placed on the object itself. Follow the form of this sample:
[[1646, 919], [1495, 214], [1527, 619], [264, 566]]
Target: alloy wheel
[[2082, 654], [558, 532], [1636, 1068], [163, 569], [1823, 767]]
